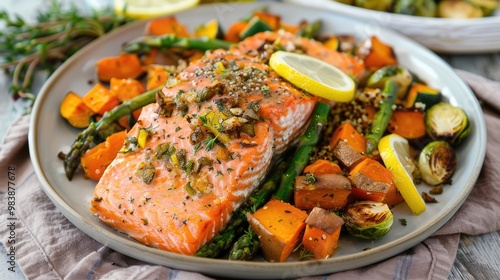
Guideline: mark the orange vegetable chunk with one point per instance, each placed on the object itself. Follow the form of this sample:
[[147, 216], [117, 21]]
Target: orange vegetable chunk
[[95, 161], [157, 76], [100, 99], [348, 133], [380, 54], [370, 180], [321, 236], [329, 191], [409, 124], [122, 66], [279, 226], [322, 166], [125, 89], [166, 25], [74, 110], [233, 33]]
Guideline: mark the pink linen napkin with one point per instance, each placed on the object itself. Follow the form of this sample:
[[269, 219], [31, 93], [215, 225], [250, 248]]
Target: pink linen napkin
[[48, 246]]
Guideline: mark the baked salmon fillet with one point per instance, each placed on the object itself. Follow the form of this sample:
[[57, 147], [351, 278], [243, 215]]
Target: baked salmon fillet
[[195, 155]]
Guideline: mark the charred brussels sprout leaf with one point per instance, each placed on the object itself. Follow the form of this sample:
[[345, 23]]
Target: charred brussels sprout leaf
[[446, 122], [368, 219], [437, 162]]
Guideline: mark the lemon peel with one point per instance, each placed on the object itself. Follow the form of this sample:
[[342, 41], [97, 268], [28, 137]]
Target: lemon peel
[[313, 75], [395, 153]]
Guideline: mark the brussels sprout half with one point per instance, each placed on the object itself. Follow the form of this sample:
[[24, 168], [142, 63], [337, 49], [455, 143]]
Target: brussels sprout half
[[424, 8], [368, 219], [446, 122], [437, 162]]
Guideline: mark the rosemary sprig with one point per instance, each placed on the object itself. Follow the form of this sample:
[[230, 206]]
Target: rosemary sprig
[[56, 35]]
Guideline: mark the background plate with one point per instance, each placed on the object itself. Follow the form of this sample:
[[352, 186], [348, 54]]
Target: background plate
[[50, 134], [439, 34]]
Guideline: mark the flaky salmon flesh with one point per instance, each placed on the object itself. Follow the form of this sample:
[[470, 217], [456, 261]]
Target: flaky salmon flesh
[[209, 141]]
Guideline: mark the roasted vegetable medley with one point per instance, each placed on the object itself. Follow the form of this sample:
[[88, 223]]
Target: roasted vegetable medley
[[430, 8], [333, 182]]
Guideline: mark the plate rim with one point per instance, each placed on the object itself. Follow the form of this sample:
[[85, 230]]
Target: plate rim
[[378, 253]]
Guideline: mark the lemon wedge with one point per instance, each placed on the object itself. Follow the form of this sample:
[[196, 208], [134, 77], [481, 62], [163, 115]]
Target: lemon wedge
[[144, 9], [395, 153], [313, 75]]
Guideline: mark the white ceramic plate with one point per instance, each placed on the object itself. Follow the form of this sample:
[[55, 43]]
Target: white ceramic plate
[[50, 134], [439, 34]]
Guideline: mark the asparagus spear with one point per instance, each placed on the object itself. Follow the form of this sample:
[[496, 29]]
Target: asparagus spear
[[248, 244], [382, 117], [222, 241], [144, 44], [85, 138], [304, 150]]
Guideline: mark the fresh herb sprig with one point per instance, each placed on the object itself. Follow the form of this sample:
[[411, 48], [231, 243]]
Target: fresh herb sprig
[[56, 35]]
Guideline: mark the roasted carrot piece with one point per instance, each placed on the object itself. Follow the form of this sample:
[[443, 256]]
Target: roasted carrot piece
[[122, 66], [233, 33], [95, 161], [166, 25], [380, 54], [100, 99], [157, 76], [74, 110], [347, 133], [322, 166], [370, 180], [322, 233], [292, 28], [329, 191], [279, 226], [409, 124], [125, 89]]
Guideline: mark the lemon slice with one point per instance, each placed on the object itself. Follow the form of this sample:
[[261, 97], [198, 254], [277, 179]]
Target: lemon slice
[[313, 75], [395, 153], [144, 9]]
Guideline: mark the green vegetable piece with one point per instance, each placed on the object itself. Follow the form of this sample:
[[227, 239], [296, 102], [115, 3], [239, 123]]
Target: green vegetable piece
[[437, 162], [254, 26], [146, 43], [377, 5], [382, 117], [310, 30], [368, 219], [446, 122], [424, 8], [396, 73]]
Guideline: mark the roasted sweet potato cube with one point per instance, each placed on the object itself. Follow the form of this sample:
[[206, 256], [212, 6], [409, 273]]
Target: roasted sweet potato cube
[[100, 99], [370, 180], [347, 155], [279, 226], [322, 166], [330, 191], [322, 233]]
